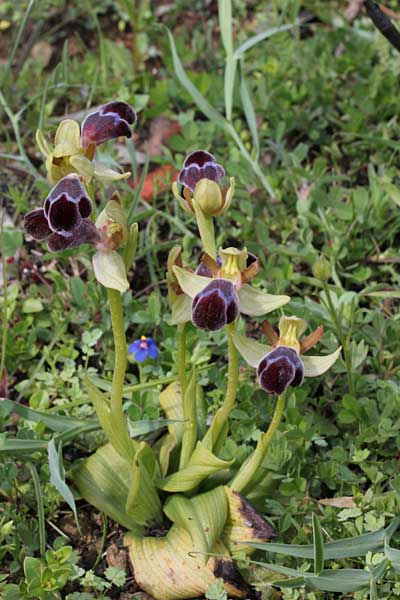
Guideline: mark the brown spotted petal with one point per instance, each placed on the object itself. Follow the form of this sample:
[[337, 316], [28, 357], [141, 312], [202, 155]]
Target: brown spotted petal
[[66, 205], [200, 165], [35, 223], [111, 121], [86, 233], [279, 369]]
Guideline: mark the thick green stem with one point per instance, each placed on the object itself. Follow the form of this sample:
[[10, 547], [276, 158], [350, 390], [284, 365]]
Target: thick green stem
[[116, 411], [251, 466], [222, 415], [343, 339], [181, 359]]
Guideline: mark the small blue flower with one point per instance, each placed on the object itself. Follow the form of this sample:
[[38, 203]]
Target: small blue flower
[[143, 348]]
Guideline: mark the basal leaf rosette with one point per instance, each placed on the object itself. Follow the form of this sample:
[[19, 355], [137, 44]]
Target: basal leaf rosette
[[202, 195], [282, 364], [219, 297], [74, 148], [178, 566]]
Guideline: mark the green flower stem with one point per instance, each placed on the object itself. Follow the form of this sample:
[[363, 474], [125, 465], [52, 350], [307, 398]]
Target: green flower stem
[[343, 339], [181, 358], [40, 509], [252, 465], [121, 359], [5, 301], [222, 415]]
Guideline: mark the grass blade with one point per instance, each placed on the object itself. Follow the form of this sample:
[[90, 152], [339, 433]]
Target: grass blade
[[198, 98], [318, 545], [251, 42], [348, 548], [249, 110], [226, 28]]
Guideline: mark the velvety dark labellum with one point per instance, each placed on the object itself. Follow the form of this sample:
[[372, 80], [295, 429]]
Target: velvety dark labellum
[[215, 306], [199, 165], [64, 219], [66, 205], [35, 223], [279, 369], [110, 121], [86, 233]]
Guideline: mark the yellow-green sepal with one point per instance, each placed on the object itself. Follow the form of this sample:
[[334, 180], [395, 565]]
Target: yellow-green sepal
[[109, 270], [253, 352], [206, 230], [318, 365], [190, 283], [131, 246], [256, 303]]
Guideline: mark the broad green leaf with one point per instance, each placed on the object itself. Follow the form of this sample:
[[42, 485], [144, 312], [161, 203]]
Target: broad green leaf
[[116, 432], [109, 269], [190, 283], [347, 548], [256, 303], [57, 476], [171, 403], [253, 352], [189, 438], [317, 365], [184, 569], [143, 501], [201, 465], [318, 546], [340, 580], [393, 555], [104, 480]]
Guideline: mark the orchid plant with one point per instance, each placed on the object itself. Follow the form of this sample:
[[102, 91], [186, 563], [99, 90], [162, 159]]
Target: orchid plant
[[181, 478]]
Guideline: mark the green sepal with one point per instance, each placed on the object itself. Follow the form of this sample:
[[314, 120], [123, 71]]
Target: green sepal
[[318, 365], [201, 465], [104, 480], [256, 303], [181, 309], [131, 246], [206, 230], [190, 283], [109, 270], [253, 352]]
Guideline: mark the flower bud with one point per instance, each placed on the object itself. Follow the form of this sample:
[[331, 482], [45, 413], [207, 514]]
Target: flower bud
[[279, 369], [215, 306], [321, 269], [209, 197]]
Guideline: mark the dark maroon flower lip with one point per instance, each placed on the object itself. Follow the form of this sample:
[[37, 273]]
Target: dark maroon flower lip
[[198, 165], [67, 204], [112, 120], [215, 306], [64, 220], [279, 369]]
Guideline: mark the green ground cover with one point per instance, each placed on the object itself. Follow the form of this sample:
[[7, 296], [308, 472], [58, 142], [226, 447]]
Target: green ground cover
[[310, 132]]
